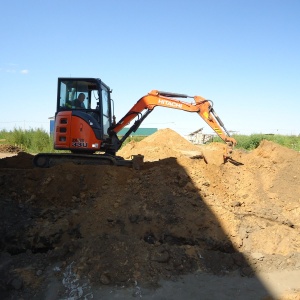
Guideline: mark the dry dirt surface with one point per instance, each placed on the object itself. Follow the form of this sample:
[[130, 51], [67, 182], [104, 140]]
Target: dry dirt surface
[[8, 150], [185, 225]]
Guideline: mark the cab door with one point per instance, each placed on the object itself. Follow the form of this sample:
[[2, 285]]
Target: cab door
[[106, 110]]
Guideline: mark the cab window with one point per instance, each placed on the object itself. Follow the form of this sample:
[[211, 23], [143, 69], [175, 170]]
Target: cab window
[[69, 94], [105, 108]]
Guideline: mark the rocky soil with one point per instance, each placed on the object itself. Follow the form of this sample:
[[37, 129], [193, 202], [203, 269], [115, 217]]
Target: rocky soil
[[69, 229]]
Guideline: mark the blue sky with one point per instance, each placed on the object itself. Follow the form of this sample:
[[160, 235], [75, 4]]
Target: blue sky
[[243, 55]]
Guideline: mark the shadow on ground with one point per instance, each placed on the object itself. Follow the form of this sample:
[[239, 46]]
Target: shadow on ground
[[102, 232]]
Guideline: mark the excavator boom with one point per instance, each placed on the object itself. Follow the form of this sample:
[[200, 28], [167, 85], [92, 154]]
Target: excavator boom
[[201, 106]]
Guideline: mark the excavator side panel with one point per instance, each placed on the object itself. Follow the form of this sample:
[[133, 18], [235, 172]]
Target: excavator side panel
[[74, 133]]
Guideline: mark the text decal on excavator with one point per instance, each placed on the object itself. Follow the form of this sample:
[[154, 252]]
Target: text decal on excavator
[[169, 103], [79, 143]]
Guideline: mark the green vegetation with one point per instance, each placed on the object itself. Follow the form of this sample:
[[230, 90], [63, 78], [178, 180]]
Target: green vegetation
[[32, 140], [38, 140], [250, 142]]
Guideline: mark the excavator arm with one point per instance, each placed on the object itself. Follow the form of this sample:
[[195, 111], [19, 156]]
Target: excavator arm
[[201, 106]]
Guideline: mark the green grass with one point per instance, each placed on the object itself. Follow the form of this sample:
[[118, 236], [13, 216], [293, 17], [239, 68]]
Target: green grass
[[250, 142], [38, 140], [32, 140]]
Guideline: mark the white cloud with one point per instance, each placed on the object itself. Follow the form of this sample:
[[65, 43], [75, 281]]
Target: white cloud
[[13, 68]]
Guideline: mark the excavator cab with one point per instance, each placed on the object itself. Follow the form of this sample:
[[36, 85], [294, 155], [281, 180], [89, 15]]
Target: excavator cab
[[81, 125]]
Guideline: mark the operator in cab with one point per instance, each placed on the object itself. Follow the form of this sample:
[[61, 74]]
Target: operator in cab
[[78, 103]]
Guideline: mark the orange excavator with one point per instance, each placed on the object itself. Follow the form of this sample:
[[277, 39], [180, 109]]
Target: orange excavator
[[85, 124]]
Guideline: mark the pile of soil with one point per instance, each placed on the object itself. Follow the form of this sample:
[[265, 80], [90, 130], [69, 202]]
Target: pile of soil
[[177, 215], [9, 149]]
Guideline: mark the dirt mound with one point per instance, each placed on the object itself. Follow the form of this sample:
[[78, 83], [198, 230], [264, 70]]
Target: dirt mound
[[9, 149], [177, 215], [21, 160], [162, 144]]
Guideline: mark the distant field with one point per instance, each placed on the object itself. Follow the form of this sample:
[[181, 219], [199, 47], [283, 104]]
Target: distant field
[[38, 140]]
